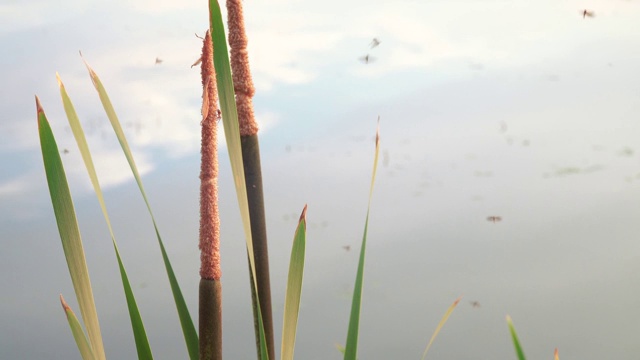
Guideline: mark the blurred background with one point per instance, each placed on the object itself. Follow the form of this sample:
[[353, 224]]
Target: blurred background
[[524, 111]]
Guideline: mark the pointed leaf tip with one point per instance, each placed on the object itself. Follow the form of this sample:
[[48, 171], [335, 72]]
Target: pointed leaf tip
[[303, 216], [378, 132], [92, 73], [65, 306], [555, 354], [60, 85], [38, 106]]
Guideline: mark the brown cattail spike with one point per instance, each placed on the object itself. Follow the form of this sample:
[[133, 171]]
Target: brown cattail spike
[[209, 216], [242, 82]]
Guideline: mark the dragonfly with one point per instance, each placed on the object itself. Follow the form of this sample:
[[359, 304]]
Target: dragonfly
[[494, 219], [158, 61], [366, 59], [375, 42], [587, 13]]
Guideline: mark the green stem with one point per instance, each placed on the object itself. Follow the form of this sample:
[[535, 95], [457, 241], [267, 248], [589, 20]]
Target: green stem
[[253, 182], [210, 308]]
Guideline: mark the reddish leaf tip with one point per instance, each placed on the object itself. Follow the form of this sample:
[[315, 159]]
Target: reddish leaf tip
[[38, 105], [303, 216], [65, 306]]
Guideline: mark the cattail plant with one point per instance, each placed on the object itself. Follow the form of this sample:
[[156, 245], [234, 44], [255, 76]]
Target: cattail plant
[[244, 91], [233, 79], [210, 300]]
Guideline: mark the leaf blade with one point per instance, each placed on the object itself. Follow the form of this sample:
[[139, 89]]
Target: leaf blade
[[140, 336], [514, 338], [351, 346], [76, 330], [188, 329], [69, 232], [444, 319], [294, 289]]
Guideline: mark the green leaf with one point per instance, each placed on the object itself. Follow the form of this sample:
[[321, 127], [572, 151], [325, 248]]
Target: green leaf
[[351, 347], [294, 289], [140, 335], [226, 95], [514, 337], [69, 232], [444, 319], [188, 329], [78, 333]]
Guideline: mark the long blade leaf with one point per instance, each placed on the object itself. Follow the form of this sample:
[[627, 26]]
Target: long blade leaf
[[78, 333], [514, 337], [226, 95], [351, 347], [444, 319], [139, 333], [294, 289], [230, 119], [188, 329], [69, 232]]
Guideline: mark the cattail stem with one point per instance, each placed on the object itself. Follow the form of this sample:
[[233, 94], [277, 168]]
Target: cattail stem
[[210, 312], [253, 182]]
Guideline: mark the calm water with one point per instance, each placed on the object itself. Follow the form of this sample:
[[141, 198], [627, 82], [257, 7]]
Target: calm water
[[492, 108]]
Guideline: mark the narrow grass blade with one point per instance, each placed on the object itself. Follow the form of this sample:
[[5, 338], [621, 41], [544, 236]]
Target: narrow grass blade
[[294, 289], [555, 354], [230, 118], [444, 319], [226, 96], [69, 232], [514, 337], [351, 347], [188, 329], [78, 333], [140, 335]]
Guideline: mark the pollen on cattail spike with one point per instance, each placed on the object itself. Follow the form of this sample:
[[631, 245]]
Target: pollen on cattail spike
[[241, 73], [209, 216]]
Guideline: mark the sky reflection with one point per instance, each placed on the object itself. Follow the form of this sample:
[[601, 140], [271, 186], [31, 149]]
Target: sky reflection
[[520, 110]]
